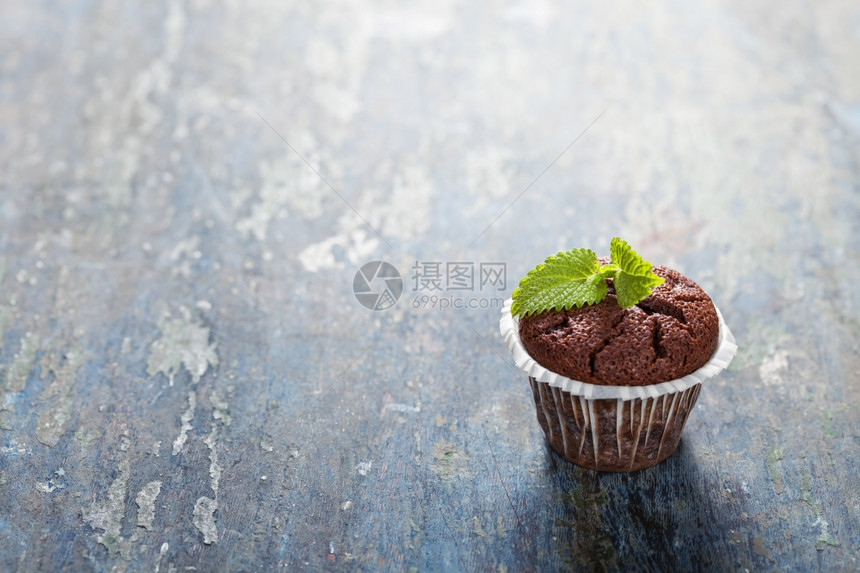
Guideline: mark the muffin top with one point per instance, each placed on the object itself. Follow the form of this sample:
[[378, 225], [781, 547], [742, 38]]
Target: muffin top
[[665, 336]]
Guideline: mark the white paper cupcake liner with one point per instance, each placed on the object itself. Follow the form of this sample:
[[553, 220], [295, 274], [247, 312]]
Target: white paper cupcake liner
[[719, 361]]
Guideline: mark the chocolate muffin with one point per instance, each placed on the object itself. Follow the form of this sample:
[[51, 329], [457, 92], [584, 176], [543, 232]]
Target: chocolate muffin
[[666, 336], [615, 378]]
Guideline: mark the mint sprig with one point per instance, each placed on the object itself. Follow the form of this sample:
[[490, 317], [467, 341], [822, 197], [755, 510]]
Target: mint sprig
[[575, 278]]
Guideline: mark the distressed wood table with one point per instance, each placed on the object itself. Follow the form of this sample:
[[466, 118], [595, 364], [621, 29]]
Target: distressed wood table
[[189, 189]]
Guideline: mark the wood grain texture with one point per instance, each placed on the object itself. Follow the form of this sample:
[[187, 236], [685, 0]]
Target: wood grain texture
[[188, 188]]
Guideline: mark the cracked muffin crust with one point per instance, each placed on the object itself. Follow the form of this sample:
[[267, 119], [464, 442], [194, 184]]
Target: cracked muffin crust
[[668, 335]]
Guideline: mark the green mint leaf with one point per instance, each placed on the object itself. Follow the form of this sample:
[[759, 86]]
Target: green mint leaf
[[576, 278], [634, 279], [565, 280]]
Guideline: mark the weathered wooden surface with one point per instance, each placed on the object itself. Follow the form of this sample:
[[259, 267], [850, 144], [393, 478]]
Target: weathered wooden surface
[[157, 229]]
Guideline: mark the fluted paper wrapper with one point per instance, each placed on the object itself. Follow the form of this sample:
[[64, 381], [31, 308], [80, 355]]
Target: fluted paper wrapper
[[613, 428]]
